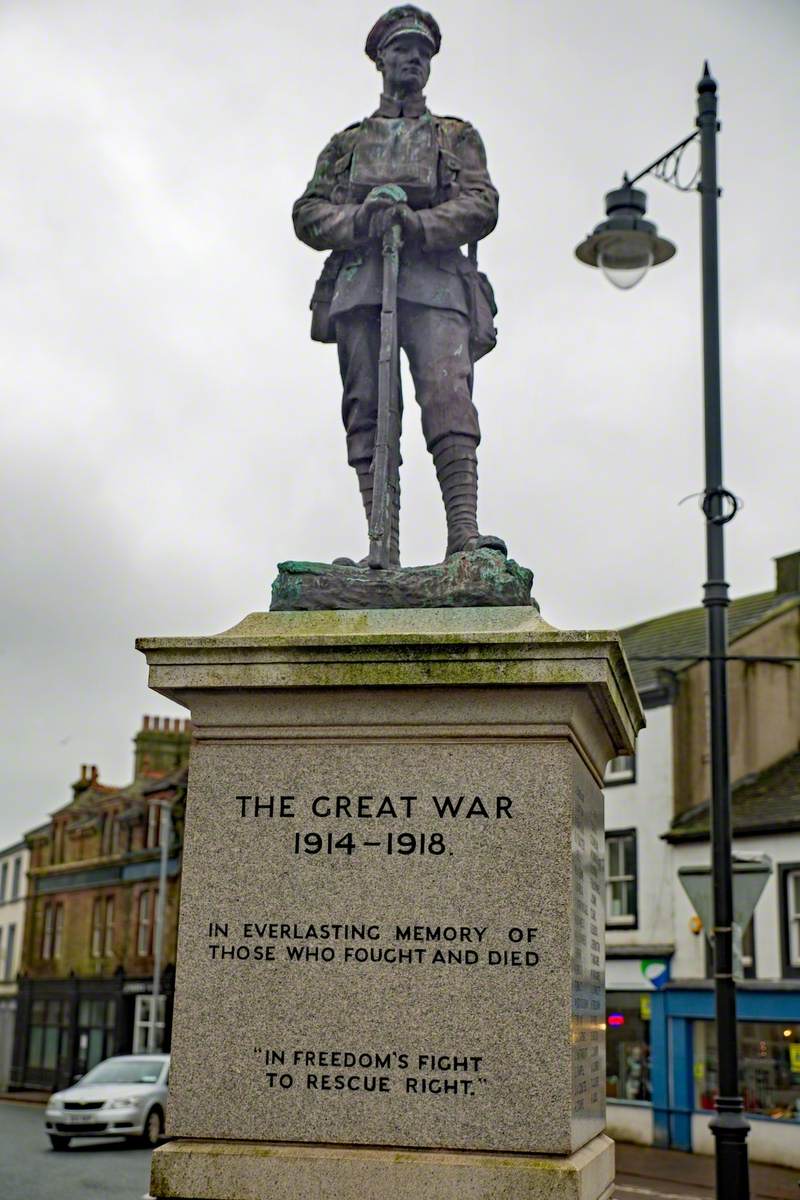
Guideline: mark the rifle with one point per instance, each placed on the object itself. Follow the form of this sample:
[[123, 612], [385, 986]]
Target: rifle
[[386, 460]]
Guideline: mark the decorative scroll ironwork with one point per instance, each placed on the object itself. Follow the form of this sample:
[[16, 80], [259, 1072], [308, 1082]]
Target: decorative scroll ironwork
[[668, 167]]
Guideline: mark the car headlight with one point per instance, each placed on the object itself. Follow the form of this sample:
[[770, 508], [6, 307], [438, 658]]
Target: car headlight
[[123, 1102], [55, 1102]]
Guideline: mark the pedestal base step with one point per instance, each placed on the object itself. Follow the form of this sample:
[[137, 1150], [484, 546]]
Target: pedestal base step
[[206, 1170]]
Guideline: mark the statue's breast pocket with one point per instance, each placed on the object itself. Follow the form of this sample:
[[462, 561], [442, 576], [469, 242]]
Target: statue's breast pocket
[[396, 150]]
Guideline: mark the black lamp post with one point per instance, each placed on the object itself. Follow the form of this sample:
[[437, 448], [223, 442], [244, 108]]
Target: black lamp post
[[624, 247]]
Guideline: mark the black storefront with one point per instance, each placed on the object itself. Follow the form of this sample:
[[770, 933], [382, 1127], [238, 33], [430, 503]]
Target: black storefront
[[65, 1026]]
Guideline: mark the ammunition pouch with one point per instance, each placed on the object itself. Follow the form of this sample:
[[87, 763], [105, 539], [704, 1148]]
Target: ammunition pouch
[[482, 310], [321, 325]]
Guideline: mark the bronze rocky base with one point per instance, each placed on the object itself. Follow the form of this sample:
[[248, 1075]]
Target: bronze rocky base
[[472, 579]]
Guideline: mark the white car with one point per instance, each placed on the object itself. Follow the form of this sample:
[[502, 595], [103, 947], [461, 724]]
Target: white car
[[125, 1096]]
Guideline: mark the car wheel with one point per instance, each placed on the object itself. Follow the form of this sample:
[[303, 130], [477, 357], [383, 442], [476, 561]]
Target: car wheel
[[153, 1127], [59, 1143]]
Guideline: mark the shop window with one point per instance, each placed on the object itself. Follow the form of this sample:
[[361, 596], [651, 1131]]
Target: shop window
[[620, 770], [769, 1067], [141, 1023], [47, 1035], [96, 1021], [621, 909], [628, 1046], [790, 918]]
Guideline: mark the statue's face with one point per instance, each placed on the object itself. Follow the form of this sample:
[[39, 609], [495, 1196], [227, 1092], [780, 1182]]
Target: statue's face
[[405, 65]]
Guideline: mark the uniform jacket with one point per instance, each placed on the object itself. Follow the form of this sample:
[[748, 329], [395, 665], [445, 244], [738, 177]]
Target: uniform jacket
[[431, 273]]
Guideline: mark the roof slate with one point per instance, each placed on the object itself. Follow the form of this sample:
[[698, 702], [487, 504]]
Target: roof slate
[[767, 801], [684, 634]]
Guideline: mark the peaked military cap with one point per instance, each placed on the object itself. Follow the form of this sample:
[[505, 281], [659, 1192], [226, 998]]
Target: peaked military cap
[[404, 19]]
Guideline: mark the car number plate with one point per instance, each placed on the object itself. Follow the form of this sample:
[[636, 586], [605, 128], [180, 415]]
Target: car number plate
[[83, 1118]]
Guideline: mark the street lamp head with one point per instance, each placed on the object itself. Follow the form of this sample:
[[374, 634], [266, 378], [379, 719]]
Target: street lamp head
[[625, 246]]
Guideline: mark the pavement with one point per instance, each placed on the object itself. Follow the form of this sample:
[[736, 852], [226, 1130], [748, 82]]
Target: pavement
[[644, 1173], [112, 1170]]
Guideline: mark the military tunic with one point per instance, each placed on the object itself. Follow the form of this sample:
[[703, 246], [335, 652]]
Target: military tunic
[[433, 276]]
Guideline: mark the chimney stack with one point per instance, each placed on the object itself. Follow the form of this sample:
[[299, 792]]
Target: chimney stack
[[787, 573]]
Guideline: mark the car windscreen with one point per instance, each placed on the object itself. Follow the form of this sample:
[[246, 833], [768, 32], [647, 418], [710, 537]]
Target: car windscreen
[[127, 1070]]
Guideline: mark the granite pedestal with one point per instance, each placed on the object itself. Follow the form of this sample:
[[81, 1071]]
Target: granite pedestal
[[390, 961]]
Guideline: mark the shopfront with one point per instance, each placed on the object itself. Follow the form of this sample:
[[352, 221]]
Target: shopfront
[[65, 1027], [684, 1066], [631, 981]]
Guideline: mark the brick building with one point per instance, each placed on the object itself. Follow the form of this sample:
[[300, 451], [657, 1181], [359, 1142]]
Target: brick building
[[86, 969]]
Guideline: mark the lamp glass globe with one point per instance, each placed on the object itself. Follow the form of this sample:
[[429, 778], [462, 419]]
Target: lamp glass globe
[[624, 260]]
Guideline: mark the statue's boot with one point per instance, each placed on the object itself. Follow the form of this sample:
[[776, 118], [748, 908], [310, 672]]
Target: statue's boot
[[363, 470], [456, 461]]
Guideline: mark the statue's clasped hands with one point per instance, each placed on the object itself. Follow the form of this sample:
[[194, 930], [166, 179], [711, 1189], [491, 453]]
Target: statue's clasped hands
[[385, 206]]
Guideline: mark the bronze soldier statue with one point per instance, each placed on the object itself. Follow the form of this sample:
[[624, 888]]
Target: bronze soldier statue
[[427, 177]]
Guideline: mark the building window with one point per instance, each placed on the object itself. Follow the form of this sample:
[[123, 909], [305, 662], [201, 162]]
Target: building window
[[103, 927], [15, 878], [115, 835], [621, 878], [144, 941], [97, 928], [628, 1046], [789, 900], [47, 1037], [108, 939], [105, 835], [58, 842], [3, 881], [47, 931], [52, 930], [58, 930], [8, 971], [621, 770], [769, 1067], [153, 824], [793, 915]]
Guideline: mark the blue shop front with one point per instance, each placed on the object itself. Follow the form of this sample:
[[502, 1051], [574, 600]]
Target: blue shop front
[[661, 1065]]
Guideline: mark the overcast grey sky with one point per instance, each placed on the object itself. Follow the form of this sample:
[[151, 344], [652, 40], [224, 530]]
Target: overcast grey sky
[[169, 431]]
